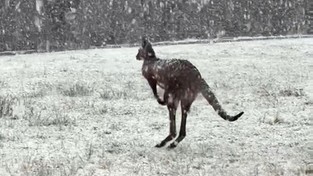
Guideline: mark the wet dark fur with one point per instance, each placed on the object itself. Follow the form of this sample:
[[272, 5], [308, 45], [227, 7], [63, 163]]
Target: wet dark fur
[[182, 82]]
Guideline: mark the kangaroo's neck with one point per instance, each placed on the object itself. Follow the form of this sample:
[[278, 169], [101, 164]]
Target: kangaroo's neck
[[150, 61]]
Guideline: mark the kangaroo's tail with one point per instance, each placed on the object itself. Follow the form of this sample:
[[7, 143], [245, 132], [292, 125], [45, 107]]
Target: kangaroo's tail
[[210, 97]]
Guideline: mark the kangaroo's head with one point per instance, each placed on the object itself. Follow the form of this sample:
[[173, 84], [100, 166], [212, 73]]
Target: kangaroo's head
[[146, 51]]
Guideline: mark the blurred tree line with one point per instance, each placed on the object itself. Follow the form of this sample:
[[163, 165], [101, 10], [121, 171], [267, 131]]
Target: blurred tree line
[[71, 24]]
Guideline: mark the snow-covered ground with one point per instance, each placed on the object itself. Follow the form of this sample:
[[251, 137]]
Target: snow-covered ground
[[91, 112]]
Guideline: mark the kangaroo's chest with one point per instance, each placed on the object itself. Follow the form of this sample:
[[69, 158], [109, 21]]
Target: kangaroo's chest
[[156, 73]]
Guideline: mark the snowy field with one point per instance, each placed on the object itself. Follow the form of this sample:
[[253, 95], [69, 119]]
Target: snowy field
[[91, 112]]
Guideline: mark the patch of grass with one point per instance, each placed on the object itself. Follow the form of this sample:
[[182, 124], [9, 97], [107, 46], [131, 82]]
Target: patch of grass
[[273, 93], [58, 163], [6, 105], [291, 92], [274, 88], [36, 94], [89, 151], [40, 166], [104, 110], [1, 137], [109, 94], [310, 102], [76, 89], [267, 92], [125, 90], [37, 90], [272, 118], [41, 115], [3, 84]]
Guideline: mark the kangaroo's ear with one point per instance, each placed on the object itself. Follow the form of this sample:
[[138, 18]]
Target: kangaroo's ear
[[149, 50], [144, 41], [146, 45]]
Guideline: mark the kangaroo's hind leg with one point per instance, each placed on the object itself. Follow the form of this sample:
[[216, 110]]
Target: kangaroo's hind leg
[[172, 103], [185, 107]]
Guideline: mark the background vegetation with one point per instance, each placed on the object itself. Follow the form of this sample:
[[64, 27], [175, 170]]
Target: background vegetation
[[74, 24]]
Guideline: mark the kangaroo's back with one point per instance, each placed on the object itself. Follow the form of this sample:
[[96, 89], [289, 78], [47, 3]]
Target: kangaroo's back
[[177, 74]]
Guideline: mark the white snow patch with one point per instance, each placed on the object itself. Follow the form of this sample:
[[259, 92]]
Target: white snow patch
[[91, 112]]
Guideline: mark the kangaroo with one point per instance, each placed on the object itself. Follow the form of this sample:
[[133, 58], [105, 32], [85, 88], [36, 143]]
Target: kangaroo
[[182, 82]]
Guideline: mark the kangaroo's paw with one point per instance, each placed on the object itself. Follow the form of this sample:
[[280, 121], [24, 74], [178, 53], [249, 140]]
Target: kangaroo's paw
[[161, 102], [159, 145], [173, 145]]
